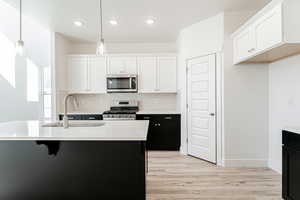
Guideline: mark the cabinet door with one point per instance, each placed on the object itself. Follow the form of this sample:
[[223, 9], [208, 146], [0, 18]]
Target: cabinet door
[[147, 74], [77, 73], [97, 74], [244, 45], [291, 172], [167, 74], [268, 29], [122, 65]]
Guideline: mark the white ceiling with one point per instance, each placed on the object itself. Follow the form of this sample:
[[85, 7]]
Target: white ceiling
[[171, 16]]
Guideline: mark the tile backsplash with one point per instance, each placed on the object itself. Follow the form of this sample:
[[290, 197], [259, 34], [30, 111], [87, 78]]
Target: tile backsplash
[[101, 102]]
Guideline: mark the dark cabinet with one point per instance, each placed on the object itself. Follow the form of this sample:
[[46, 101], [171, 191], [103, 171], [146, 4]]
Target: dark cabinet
[[82, 117], [291, 166], [163, 133], [72, 170]]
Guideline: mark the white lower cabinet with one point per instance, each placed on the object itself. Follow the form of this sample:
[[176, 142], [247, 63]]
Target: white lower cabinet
[[157, 74], [86, 74]]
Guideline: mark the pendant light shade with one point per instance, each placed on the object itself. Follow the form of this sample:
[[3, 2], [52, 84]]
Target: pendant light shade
[[101, 45], [20, 42]]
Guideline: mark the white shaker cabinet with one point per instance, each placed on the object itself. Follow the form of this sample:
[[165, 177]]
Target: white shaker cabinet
[[147, 76], [244, 45], [157, 74], [272, 34], [86, 74], [122, 65], [77, 73], [167, 74], [97, 74]]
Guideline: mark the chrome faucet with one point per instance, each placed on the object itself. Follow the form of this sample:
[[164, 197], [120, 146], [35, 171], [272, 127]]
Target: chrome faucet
[[65, 118]]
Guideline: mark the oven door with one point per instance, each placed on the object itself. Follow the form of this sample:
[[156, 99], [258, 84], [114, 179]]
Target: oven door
[[121, 84]]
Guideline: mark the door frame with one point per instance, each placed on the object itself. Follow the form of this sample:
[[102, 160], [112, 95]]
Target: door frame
[[219, 105]]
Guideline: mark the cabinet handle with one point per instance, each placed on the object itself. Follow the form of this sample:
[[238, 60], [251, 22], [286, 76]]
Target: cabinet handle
[[146, 117], [92, 118], [168, 118], [251, 50], [71, 118], [158, 124]]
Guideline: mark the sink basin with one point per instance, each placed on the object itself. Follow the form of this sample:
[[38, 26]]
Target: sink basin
[[74, 124]]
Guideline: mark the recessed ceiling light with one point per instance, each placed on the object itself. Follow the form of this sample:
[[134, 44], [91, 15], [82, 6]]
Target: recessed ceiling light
[[78, 23], [113, 22], [150, 21]]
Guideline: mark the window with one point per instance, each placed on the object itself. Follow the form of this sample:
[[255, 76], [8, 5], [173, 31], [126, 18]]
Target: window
[[47, 94]]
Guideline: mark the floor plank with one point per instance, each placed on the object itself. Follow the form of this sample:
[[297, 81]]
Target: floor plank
[[173, 176]]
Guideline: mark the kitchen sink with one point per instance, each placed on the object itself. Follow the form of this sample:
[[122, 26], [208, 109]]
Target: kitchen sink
[[74, 124]]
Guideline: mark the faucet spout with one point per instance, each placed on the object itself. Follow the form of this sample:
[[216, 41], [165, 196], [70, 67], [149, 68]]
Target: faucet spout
[[65, 118]]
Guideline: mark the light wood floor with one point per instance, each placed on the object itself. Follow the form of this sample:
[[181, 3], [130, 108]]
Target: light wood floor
[[173, 176]]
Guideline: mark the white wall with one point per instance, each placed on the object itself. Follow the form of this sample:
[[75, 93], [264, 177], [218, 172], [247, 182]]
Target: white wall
[[284, 84], [245, 105], [203, 38], [62, 48], [241, 90], [16, 103]]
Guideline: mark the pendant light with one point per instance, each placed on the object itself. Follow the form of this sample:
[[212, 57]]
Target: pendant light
[[20, 42], [101, 45]]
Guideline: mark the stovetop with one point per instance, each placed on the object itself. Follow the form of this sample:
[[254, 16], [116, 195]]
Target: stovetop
[[120, 112]]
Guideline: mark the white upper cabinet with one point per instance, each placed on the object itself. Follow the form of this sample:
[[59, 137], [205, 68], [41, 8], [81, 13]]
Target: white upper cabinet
[[272, 34], [86, 74], [244, 45], [77, 73], [268, 30], [147, 74], [157, 74], [97, 74], [167, 74], [122, 65]]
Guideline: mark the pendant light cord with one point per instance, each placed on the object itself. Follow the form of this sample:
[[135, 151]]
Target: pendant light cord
[[21, 20], [101, 21]]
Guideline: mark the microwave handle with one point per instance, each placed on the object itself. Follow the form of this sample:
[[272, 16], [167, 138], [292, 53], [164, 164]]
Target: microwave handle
[[130, 83]]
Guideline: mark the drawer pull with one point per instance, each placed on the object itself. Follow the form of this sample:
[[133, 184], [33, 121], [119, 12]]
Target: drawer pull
[[92, 118], [146, 117], [168, 118], [71, 118]]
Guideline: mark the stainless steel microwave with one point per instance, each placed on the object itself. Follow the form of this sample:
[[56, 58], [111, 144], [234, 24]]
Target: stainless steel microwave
[[122, 83]]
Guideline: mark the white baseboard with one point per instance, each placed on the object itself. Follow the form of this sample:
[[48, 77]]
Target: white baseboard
[[245, 162]]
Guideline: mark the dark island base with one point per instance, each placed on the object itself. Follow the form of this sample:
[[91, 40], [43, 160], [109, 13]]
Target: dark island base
[[72, 170]]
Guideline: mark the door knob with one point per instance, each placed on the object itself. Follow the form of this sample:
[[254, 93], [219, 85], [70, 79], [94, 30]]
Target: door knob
[[212, 114]]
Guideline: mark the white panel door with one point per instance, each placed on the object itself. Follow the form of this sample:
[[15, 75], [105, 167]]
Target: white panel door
[[77, 73], [122, 65], [201, 108], [97, 74], [147, 74], [167, 74]]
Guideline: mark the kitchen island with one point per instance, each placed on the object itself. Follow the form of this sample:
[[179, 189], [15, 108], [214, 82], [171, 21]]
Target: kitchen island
[[95, 162]]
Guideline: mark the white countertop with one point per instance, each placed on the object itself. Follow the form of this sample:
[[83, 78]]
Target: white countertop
[[292, 129], [158, 112], [110, 131]]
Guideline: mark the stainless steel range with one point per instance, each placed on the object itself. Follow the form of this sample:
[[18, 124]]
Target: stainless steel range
[[122, 110]]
